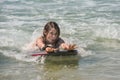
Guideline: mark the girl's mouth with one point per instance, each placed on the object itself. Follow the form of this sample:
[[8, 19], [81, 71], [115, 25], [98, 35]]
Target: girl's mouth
[[53, 40]]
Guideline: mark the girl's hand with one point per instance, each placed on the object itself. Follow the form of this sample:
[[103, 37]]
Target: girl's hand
[[49, 49], [69, 47]]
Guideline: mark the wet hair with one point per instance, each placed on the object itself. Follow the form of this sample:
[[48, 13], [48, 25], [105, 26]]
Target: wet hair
[[49, 26]]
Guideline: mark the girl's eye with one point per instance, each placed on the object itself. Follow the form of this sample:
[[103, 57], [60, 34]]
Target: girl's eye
[[53, 33]]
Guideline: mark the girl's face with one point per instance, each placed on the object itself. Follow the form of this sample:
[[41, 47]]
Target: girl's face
[[52, 36]]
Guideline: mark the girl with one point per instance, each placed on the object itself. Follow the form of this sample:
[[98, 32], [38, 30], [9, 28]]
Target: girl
[[50, 41]]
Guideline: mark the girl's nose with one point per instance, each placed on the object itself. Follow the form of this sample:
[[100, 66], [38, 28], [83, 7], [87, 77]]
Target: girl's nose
[[53, 36]]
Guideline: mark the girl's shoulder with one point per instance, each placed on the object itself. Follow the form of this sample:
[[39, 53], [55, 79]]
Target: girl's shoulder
[[41, 38], [60, 40]]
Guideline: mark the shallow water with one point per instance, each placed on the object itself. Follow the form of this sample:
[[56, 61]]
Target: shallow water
[[91, 24]]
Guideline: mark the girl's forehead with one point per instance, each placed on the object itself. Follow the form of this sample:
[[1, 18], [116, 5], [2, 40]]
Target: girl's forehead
[[52, 30]]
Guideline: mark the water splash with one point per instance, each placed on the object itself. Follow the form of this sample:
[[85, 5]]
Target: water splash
[[110, 32]]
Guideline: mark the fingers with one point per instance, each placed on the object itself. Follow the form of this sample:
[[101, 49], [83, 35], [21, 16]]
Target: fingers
[[49, 49], [70, 47], [74, 46]]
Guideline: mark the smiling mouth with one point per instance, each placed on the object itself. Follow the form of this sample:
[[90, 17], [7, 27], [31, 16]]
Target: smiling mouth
[[53, 40]]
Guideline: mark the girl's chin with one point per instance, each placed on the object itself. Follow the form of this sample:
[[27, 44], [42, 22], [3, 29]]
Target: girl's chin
[[52, 42]]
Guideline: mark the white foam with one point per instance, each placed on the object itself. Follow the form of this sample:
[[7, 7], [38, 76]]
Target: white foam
[[83, 53], [37, 33], [110, 32], [89, 3], [12, 0], [24, 56]]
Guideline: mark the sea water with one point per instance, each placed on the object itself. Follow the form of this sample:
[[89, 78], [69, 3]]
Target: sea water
[[94, 25]]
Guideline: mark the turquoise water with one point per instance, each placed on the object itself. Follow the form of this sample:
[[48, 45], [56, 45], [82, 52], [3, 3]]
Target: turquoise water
[[94, 25]]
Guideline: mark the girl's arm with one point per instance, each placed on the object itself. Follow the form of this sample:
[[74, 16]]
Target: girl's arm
[[39, 43]]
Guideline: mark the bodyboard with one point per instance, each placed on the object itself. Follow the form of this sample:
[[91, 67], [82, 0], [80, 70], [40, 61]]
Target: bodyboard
[[58, 53]]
